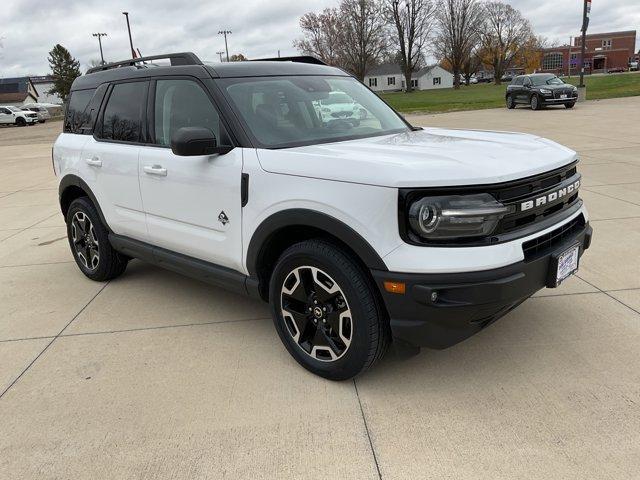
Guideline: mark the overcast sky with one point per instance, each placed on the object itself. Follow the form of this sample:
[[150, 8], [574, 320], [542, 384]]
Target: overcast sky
[[260, 28]]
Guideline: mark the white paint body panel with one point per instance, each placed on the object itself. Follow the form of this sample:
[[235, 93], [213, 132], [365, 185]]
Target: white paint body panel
[[182, 207], [356, 182], [427, 158]]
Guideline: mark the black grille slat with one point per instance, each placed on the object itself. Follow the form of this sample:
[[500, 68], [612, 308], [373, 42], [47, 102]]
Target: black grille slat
[[544, 243]]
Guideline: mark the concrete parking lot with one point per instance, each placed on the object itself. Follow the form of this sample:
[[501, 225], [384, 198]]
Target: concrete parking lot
[[158, 376]]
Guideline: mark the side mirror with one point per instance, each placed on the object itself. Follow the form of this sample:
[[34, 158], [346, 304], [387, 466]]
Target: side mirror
[[191, 141]]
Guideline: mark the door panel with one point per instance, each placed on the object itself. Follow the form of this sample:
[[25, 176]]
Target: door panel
[[185, 198], [113, 169], [192, 203]]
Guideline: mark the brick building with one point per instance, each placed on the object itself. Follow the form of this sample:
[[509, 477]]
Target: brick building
[[604, 51]]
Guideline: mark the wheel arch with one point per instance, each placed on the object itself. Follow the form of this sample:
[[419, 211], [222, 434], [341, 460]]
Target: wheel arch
[[72, 187], [285, 228]]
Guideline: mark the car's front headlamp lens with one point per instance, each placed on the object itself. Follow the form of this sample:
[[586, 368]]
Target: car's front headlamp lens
[[546, 91], [455, 216]]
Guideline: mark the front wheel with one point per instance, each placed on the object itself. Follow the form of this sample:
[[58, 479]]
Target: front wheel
[[535, 103], [21, 122], [326, 311], [511, 104], [569, 105]]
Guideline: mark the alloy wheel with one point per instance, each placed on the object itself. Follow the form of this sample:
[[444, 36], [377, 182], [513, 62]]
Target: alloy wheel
[[316, 313], [85, 241]]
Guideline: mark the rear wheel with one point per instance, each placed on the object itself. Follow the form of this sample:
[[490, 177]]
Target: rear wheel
[[511, 104], [326, 311], [89, 242]]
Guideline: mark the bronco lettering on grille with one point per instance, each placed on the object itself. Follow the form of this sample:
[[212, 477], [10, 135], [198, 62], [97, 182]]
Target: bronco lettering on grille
[[550, 197]]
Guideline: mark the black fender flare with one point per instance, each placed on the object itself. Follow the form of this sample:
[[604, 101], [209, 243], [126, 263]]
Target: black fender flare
[[299, 217], [71, 180]]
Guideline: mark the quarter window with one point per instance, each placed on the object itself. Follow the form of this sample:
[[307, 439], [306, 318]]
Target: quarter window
[[77, 113], [182, 103], [122, 118]]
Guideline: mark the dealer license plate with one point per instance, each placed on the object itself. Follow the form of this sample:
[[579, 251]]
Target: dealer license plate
[[567, 263], [563, 96]]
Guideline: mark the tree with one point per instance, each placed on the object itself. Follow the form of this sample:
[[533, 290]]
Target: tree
[[238, 57], [65, 70], [363, 39], [321, 36], [505, 34], [412, 22], [458, 24]]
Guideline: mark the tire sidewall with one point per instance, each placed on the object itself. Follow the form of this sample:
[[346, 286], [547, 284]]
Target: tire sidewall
[[355, 358], [85, 206], [510, 102], [535, 102]]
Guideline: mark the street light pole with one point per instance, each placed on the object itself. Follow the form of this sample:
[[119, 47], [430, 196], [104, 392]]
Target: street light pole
[[585, 24], [220, 53], [226, 46], [133, 52], [100, 35]]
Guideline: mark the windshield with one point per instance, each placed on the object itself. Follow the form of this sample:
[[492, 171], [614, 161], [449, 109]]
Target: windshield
[[293, 111], [546, 80], [14, 109]]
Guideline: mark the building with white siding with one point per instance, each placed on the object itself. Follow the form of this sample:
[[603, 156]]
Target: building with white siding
[[389, 78]]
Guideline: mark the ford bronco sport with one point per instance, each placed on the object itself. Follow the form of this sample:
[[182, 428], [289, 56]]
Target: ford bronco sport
[[357, 234]]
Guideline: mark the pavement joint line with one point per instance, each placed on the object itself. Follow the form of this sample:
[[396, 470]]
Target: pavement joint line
[[30, 226], [610, 196], [366, 427], [52, 340], [608, 184], [37, 264], [26, 339], [611, 296], [162, 327], [609, 219], [562, 294]]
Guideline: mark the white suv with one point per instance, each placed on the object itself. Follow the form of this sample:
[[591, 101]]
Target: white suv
[[357, 235], [14, 116]]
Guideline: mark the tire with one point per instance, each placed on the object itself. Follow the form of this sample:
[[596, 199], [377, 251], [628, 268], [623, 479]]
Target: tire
[[89, 243], [535, 103], [21, 122], [347, 315], [511, 104], [569, 105]]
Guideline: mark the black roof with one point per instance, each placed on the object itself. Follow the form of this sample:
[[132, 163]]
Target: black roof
[[189, 64]]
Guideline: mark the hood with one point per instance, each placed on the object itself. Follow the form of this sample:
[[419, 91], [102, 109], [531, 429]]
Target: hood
[[423, 158]]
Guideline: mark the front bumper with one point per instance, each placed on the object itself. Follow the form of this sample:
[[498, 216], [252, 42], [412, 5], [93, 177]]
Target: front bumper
[[551, 100], [465, 303]]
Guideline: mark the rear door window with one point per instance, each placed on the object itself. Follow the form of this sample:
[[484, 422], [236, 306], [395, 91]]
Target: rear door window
[[123, 114]]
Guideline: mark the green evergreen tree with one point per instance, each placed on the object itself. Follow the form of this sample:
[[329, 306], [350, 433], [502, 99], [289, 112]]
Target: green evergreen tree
[[65, 70]]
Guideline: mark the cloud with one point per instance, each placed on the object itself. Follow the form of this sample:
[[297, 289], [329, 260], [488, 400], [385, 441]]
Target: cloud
[[260, 28]]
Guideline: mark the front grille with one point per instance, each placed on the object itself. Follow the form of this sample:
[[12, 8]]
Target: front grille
[[544, 243], [511, 194]]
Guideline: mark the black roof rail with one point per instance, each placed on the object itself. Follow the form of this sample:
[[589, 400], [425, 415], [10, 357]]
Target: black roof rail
[[299, 59], [183, 58]]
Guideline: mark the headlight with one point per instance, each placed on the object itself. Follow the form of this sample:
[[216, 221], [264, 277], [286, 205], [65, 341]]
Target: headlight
[[455, 216], [545, 91]]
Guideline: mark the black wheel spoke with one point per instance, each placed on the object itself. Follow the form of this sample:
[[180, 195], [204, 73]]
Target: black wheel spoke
[[312, 303]]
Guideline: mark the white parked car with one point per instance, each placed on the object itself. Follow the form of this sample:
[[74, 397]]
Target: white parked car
[[338, 106], [14, 116], [359, 236], [42, 112]]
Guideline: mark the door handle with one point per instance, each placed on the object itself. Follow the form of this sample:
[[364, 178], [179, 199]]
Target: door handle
[[94, 162], [155, 170]]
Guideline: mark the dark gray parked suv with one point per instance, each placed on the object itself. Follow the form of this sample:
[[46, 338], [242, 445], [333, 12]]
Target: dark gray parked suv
[[539, 90]]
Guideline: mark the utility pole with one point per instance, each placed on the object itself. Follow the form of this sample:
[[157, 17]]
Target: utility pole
[[133, 52], [100, 35], [585, 24], [226, 46], [220, 53]]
